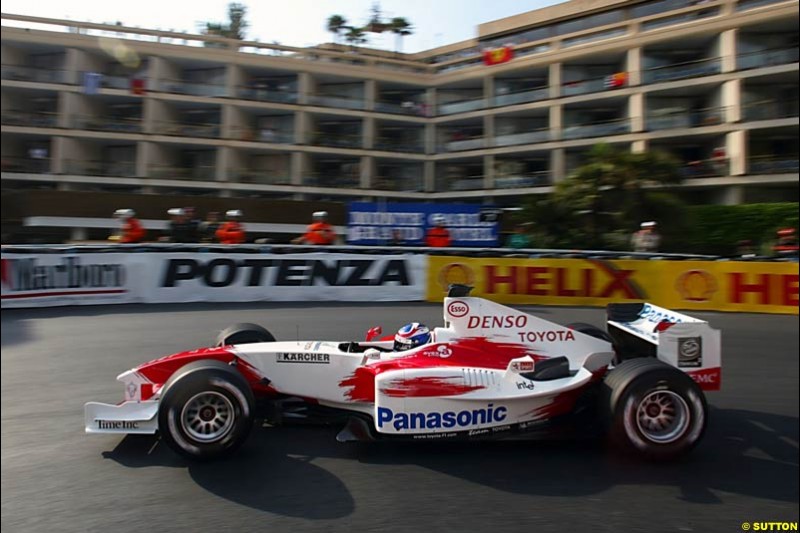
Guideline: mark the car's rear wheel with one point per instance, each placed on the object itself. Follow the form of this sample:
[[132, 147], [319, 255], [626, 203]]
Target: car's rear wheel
[[206, 410], [244, 333], [654, 409]]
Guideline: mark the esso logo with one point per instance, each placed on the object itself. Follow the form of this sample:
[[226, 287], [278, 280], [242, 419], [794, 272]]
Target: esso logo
[[457, 308]]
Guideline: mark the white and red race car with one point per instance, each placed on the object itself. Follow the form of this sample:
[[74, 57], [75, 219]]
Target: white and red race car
[[490, 372]]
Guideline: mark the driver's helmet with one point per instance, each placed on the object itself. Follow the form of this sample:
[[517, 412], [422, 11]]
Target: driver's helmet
[[411, 336]]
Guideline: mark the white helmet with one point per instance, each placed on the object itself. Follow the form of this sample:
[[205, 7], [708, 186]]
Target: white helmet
[[319, 215], [234, 213], [124, 213], [176, 212]]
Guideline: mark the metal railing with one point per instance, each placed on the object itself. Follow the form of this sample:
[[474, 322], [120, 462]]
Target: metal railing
[[461, 106], [26, 73], [320, 179], [518, 181], [384, 183], [766, 58], [466, 183], [120, 125], [266, 94], [770, 109], [258, 177], [26, 165], [463, 144], [774, 164], [679, 71], [193, 88], [529, 137], [339, 102], [266, 135], [186, 130], [396, 145], [196, 173], [336, 140], [34, 119], [122, 169], [672, 118], [597, 129], [593, 85], [521, 97], [408, 107], [705, 168]]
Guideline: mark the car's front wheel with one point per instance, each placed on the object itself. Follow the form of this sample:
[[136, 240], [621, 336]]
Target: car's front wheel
[[206, 410], [654, 409]]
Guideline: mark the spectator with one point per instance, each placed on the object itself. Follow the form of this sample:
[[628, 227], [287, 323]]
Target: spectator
[[319, 232], [208, 228], [132, 230], [180, 230], [438, 236], [745, 249], [646, 239], [232, 231], [193, 222], [786, 246], [397, 238], [520, 238]]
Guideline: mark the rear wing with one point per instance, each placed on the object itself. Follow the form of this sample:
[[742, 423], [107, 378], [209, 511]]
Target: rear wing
[[687, 343]]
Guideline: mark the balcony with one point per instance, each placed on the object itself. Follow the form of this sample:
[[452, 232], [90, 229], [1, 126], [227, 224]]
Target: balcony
[[530, 137], [26, 165], [461, 145], [766, 58], [396, 145], [196, 173], [265, 135], [43, 75], [674, 118], [466, 183], [597, 129], [32, 119], [462, 106], [774, 164], [122, 169], [680, 71], [266, 94], [186, 130], [324, 179], [338, 102], [258, 177], [403, 108], [770, 110], [518, 181], [521, 97], [705, 168], [118, 125], [595, 85], [336, 140], [193, 88]]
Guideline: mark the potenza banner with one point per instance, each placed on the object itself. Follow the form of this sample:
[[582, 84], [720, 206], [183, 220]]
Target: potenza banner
[[189, 277], [373, 223], [43, 280], [696, 285]]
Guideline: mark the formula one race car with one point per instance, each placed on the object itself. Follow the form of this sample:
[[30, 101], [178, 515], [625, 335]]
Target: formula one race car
[[490, 372]]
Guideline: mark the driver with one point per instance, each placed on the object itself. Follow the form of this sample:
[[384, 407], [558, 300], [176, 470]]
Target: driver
[[410, 336]]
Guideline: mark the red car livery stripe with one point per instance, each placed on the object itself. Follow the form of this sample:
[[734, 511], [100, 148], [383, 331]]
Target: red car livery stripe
[[424, 387]]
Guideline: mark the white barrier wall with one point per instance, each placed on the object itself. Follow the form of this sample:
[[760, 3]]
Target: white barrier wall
[[42, 280]]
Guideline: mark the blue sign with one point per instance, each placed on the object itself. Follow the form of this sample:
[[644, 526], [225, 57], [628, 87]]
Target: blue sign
[[376, 224]]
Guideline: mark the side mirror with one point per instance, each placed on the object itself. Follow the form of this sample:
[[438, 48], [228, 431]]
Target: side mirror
[[373, 332]]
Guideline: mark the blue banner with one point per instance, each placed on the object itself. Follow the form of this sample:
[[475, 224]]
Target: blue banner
[[406, 224]]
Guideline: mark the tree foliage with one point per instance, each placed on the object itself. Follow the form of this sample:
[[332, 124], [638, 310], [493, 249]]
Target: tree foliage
[[236, 27], [336, 25]]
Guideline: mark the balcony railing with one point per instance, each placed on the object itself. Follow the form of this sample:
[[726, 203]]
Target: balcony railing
[[24, 73], [26, 165], [258, 176], [597, 129], [123, 169], [339, 102], [186, 130], [462, 106], [116, 82], [197, 173], [613, 81], [336, 140], [386, 183], [34, 119], [770, 110], [774, 164], [194, 88], [530, 137], [265, 135], [673, 118], [466, 183], [394, 145], [120, 125], [679, 71], [766, 58], [518, 181], [403, 108], [521, 97], [265, 94], [705, 168], [321, 179], [460, 145]]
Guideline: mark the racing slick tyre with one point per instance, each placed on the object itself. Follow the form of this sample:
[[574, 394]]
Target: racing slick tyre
[[653, 408], [206, 410], [244, 334]]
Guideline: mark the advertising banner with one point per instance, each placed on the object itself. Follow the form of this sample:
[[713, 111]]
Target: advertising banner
[[699, 285], [191, 277], [46, 280], [373, 224]]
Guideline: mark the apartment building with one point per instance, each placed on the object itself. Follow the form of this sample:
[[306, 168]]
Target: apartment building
[[99, 107]]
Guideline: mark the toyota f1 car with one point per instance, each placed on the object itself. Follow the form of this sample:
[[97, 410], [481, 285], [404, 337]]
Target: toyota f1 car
[[490, 372]]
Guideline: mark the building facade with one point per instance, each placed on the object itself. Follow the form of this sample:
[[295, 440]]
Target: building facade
[[100, 107]]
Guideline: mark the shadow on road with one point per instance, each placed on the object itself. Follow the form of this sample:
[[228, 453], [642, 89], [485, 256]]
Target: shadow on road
[[744, 452]]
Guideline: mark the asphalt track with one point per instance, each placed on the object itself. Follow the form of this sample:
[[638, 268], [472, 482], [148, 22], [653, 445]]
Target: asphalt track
[[56, 478]]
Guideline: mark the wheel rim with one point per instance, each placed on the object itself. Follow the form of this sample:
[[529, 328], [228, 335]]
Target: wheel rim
[[207, 417], [662, 416]]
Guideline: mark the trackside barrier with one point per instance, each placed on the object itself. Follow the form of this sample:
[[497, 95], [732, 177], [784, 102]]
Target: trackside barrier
[[42, 280], [752, 287]]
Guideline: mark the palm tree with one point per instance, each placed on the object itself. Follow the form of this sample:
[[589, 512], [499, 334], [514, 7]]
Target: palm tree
[[336, 24], [400, 27], [355, 35]]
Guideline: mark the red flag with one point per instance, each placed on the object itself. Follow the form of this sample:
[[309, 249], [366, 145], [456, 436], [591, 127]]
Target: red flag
[[137, 86], [498, 55]]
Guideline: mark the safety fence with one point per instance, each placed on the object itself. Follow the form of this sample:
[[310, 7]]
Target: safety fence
[[56, 276]]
